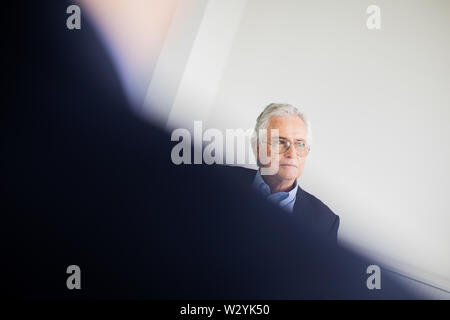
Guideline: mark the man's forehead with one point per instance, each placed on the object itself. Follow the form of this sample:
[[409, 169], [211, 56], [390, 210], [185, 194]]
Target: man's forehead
[[287, 126]]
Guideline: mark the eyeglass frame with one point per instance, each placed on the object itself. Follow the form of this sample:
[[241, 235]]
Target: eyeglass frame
[[307, 146]]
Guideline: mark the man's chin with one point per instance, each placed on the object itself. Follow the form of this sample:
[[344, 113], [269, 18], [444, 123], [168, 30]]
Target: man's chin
[[288, 172]]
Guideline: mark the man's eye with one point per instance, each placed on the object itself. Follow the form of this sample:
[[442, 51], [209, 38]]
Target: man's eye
[[281, 141], [301, 144]]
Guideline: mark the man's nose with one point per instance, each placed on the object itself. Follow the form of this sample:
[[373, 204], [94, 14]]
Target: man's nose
[[291, 153]]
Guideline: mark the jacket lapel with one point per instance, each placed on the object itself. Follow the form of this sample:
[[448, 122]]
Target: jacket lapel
[[297, 211]]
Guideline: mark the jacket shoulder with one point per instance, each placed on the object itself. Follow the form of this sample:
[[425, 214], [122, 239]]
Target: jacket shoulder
[[317, 214], [315, 203]]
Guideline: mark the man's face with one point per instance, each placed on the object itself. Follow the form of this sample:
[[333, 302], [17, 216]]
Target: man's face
[[292, 129]]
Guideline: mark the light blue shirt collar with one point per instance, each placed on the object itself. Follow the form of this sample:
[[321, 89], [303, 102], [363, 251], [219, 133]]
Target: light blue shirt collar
[[285, 200]]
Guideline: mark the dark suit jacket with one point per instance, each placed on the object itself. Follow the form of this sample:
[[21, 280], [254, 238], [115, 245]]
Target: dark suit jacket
[[308, 210]]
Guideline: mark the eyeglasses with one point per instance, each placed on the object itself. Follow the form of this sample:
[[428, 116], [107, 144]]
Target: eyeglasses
[[282, 145]]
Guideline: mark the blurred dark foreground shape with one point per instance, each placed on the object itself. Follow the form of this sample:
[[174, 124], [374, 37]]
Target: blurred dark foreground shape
[[85, 182]]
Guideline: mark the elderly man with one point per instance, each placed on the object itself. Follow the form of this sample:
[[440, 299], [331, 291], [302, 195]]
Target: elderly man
[[281, 145]]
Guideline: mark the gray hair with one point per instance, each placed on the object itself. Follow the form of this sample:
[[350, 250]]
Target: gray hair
[[280, 109]]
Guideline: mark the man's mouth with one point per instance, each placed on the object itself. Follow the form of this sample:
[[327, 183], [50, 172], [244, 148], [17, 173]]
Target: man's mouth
[[288, 165]]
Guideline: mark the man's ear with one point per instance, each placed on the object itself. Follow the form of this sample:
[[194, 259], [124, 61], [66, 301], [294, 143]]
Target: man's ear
[[255, 148], [257, 155]]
